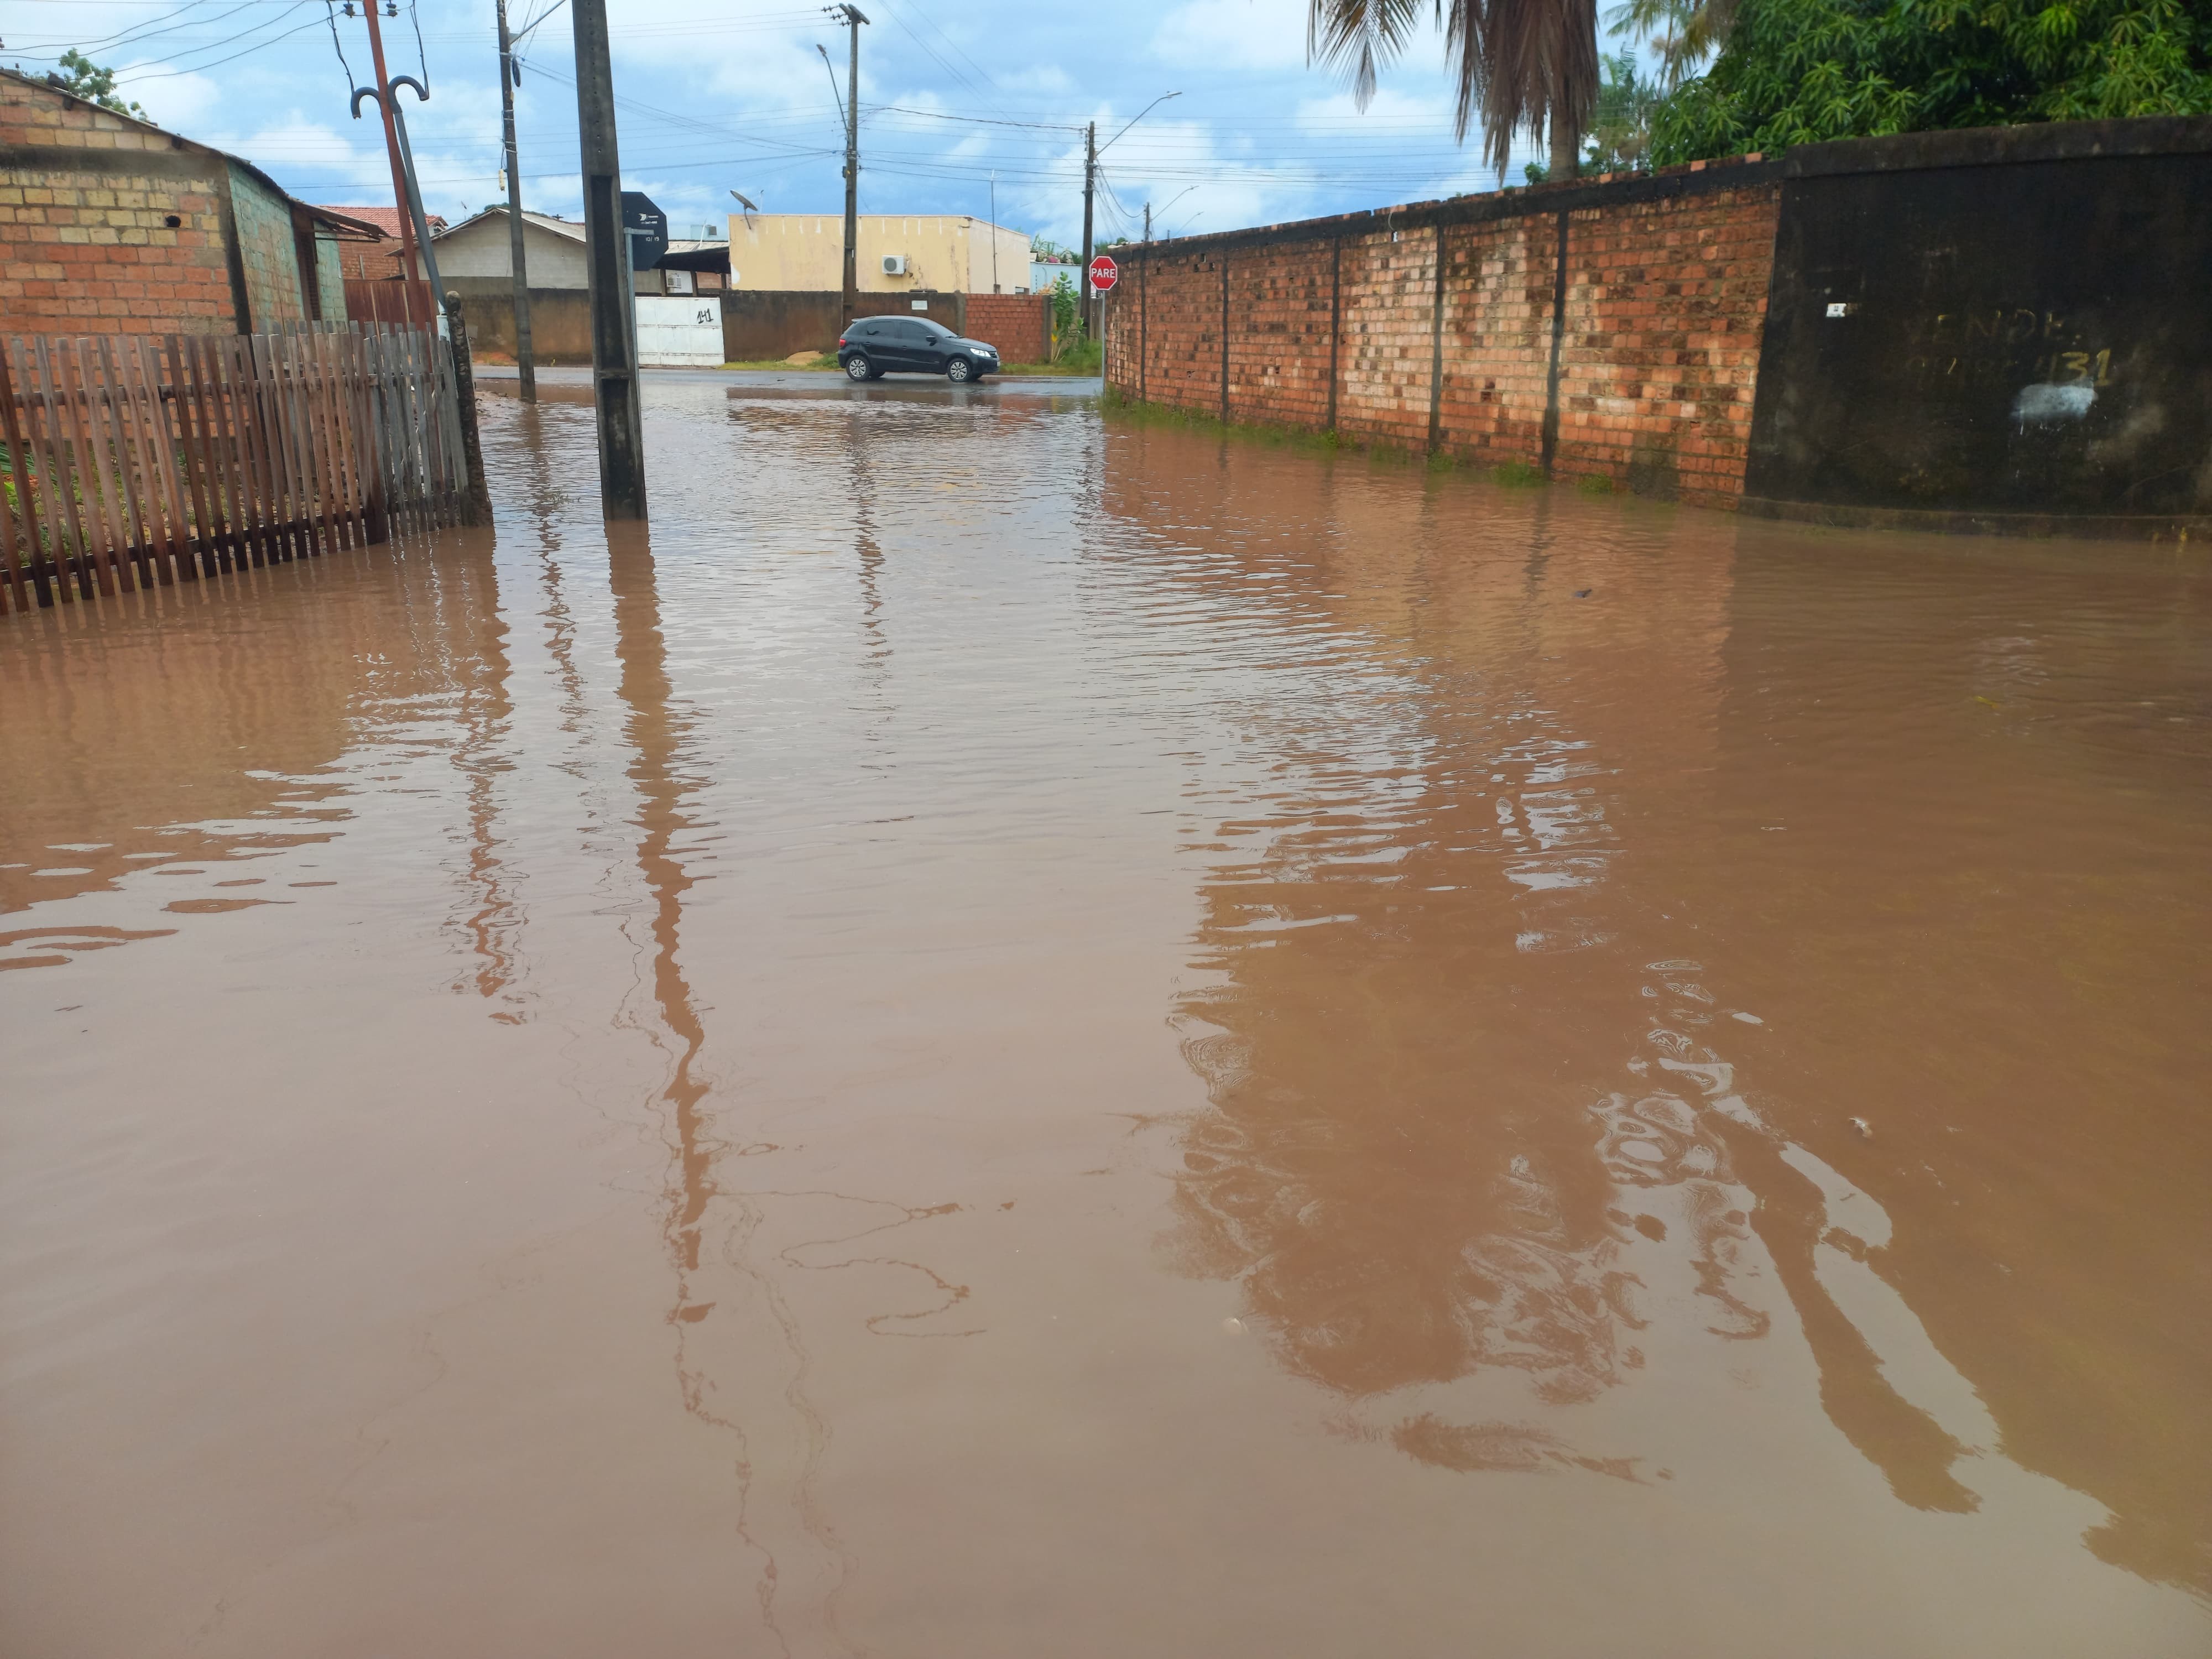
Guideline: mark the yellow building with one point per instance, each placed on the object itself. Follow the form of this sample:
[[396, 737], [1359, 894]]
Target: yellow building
[[939, 253]]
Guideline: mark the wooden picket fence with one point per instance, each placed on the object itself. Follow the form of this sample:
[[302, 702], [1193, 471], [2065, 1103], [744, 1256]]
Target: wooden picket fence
[[134, 460]]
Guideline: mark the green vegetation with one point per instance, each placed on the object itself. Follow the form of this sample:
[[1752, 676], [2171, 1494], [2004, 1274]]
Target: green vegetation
[[81, 77], [1515, 474], [828, 361], [1065, 305], [1620, 139], [1800, 71]]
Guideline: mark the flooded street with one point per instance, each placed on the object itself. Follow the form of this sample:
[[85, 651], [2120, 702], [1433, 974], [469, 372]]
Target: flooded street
[[1017, 1034]]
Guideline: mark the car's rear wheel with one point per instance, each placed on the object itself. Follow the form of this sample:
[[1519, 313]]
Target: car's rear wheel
[[959, 369], [858, 367]]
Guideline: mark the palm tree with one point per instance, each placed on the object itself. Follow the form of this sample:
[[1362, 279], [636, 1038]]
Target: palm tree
[[1525, 65], [1684, 32]]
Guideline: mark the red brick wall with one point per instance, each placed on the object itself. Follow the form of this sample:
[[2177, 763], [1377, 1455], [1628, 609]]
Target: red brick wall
[[1659, 349], [88, 245], [1019, 325], [1168, 306], [1498, 279], [1666, 301], [1279, 311]]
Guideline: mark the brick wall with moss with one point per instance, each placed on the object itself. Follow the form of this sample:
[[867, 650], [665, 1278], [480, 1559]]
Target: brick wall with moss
[[330, 279], [1344, 323], [267, 251]]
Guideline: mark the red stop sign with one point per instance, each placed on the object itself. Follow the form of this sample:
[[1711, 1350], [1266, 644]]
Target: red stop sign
[[1104, 273]]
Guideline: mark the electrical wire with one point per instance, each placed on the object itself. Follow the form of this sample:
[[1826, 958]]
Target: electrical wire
[[339, 45], [132, 80], [131, 34]]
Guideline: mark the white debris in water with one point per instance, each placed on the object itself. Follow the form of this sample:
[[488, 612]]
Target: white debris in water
[[1233, 1326], [1749, 1019]]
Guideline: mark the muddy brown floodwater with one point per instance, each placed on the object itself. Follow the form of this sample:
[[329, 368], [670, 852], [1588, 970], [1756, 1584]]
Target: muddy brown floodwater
[[1019, 1036]]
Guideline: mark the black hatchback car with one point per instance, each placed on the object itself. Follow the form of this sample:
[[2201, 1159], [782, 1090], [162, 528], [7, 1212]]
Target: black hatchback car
[[875, 346]]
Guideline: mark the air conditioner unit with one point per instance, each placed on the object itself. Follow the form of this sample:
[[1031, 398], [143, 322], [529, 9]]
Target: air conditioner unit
[[895, 265]]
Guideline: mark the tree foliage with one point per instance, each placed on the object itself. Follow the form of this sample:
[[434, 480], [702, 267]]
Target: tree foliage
[[81, 77], [1517, 66], [1800, 71], [1619, 136]]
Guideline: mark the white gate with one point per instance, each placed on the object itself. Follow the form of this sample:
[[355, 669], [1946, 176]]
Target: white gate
[[679, 333]]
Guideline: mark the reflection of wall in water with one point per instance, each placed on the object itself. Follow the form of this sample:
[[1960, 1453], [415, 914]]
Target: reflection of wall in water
[[1409, 1183]]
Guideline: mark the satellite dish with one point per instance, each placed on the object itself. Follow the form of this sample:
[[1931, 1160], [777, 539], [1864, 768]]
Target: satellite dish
[[747, 203]]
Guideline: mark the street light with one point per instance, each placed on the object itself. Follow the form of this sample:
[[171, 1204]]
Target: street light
[[1139, 116], [1171, 201], [1091, 151]]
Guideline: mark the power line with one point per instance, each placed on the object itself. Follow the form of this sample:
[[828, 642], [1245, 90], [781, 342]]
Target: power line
[[131, 34], [132, 80]]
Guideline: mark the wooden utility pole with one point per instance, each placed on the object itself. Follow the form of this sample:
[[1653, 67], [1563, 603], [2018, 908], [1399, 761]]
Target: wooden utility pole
[[525, 364], [853, 18], [410, 264], [607, 270]]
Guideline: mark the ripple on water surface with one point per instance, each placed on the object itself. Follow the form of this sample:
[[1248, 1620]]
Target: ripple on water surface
[[1011, 1032]]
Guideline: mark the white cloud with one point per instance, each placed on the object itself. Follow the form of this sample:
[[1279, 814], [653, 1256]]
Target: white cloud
[[1339, 114], [179, 102], [1245, 34]]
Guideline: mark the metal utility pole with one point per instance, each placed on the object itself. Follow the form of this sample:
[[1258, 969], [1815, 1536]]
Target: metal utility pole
[[606, 264], [853, 17], [516, 266], [995, 230], [410, 265]]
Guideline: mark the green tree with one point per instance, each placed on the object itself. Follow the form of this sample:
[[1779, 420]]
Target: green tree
[[81, 77], [1800, 71], [1064, 307], [1620, 139], [1684, 32]]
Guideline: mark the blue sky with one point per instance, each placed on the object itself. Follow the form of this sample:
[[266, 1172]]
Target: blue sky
[[723, 95]]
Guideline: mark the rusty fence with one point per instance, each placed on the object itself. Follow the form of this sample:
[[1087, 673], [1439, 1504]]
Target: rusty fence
[[137, 460]]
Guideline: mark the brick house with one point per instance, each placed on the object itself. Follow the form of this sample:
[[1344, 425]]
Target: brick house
[[375, 262], [110, 224]]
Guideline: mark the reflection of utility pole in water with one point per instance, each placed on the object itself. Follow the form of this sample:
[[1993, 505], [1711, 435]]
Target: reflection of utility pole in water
[[741, 1358], [860, 495], [480, 671]]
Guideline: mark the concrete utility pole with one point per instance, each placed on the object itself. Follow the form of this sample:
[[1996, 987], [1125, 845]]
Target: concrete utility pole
[[1090, 182], [410, 264], [1091, 151], [606, 264], [1148, 222], [853, 17], [516, 266]]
